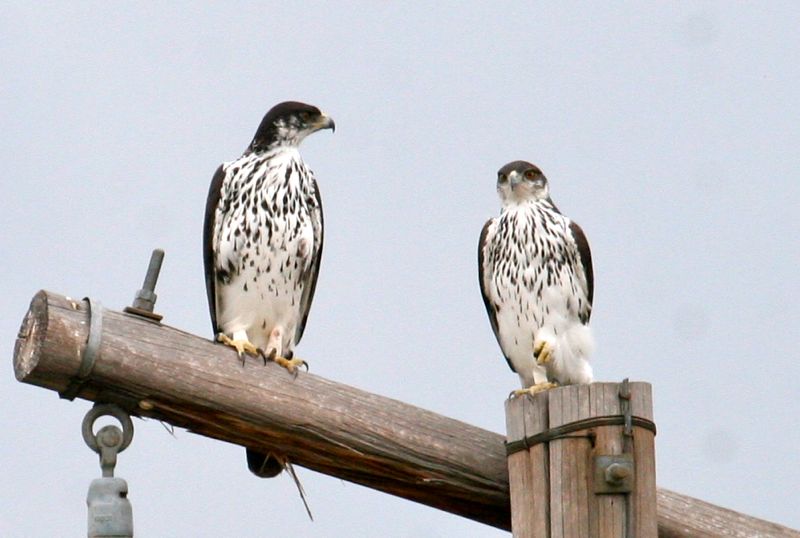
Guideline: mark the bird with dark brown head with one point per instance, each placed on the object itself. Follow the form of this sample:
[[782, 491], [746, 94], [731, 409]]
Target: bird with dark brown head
[[288, 123], [263, 245]]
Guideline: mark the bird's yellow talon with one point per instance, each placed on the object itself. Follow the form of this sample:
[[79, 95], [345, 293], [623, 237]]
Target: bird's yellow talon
[[539, 387], [290, 364], [241, 346], [542, 352]]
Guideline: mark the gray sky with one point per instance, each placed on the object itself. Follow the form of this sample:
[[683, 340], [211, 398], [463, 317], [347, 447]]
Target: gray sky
[[669, 131]]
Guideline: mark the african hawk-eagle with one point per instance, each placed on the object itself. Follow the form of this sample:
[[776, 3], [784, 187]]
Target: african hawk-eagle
[[535, 273], [263, 243]]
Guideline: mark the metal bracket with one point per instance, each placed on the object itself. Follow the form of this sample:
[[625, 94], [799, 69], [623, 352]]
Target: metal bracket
[[90, 352], [625, 404], [613, 474]]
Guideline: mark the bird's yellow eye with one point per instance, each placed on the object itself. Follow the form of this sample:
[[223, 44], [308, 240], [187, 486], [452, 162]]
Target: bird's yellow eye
[[530, 174]]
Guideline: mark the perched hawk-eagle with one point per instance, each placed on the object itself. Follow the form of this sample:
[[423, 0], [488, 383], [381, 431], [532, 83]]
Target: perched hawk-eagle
[[535, 273], [262, 245]]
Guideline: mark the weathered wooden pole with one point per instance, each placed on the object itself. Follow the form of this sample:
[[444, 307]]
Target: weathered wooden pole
[[581, 462], [158, 371]]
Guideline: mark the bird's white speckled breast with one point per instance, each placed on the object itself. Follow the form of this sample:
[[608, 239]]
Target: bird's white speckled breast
[[264, 238], [532, 281]]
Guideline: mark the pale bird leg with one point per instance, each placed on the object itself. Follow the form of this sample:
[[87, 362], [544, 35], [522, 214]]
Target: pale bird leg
[[534, 389], [274, 346], [543, 352]]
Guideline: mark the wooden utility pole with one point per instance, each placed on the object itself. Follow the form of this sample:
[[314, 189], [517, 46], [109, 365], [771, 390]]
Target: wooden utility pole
[[582, 463], [157, 371]]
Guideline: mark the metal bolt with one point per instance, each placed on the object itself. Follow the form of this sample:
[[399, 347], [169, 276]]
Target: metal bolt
[[110, 436], [616, 473], [145, 298], [613, 473]]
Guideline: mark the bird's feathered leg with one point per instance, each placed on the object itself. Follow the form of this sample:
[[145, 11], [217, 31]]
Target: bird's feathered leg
[[240, 343], [274, 345]]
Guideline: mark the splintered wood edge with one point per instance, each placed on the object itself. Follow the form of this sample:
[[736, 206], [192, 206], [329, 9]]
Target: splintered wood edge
[[32, 331]]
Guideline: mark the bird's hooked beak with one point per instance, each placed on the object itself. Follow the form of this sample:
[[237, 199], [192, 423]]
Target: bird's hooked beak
[[514, 179], [325, 122]]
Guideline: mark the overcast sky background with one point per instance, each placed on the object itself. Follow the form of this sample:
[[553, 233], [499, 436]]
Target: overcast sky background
[[669, 131]]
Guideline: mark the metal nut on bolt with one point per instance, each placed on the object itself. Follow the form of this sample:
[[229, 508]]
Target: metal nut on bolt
[[110, 436], [616, 473], [613, 473]]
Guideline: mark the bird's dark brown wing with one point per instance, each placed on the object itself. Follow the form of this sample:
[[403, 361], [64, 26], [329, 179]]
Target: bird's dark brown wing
[[482, 280], [311, 275], [585, 259], [214, 193]]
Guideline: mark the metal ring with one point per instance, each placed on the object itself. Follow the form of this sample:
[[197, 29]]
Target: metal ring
[[93, 342], [112, 410], [90, 352]]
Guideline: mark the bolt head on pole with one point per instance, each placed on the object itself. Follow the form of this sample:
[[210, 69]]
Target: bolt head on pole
[[613, 473]]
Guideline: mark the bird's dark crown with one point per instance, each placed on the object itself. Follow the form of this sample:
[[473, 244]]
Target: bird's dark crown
[[523, 181], [520, 167], [289, 114]]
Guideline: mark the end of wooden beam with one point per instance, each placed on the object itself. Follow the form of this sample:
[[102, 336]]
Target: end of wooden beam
[[28, 346]]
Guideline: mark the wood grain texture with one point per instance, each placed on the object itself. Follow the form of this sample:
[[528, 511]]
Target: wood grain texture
[[681, 516], [332, 428], [645, 494], [528, 470], [329, 427], [574, 507]]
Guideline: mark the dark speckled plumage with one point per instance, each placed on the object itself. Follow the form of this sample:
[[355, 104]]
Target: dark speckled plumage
[[262, 240], [537, 281]]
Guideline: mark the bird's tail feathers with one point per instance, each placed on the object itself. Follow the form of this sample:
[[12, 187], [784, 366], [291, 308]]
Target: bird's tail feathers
[[300, 490]]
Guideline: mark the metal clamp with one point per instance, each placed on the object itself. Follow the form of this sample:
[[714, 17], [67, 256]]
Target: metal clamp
[[110, 440], [615, 473], [90, 352], [625, 405]]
